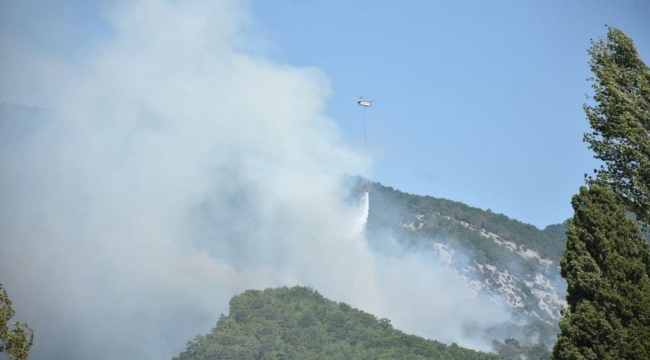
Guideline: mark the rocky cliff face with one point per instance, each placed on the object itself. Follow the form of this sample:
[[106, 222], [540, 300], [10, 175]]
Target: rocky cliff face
[[536, 294], [503, 264]]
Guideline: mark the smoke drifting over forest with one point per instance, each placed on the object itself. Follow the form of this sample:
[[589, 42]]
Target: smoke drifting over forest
[[174, 171]]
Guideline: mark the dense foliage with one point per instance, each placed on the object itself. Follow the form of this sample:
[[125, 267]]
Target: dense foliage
[[14, 342], [512, 349], [299, 323], [620, 120], [607, 260], [607, 267]]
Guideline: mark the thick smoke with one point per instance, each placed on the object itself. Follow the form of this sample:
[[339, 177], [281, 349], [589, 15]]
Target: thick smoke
[[174, 171]]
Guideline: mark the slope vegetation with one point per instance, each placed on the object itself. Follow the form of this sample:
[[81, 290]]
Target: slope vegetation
[[299, 323], [455, 220]]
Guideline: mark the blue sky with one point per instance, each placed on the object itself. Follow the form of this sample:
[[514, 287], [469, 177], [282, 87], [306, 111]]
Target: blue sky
[[476, 101]]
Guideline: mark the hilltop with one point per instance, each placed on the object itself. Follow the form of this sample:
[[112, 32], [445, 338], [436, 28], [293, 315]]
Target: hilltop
[[299, 323]]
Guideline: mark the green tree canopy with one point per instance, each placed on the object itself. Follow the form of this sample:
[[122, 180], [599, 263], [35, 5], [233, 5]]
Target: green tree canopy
[[299, 323], [620, 120], [17, 341], [606, 267], [512, 349]]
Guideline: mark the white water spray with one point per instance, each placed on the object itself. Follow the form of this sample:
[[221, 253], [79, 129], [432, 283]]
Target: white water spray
[[362, 217]]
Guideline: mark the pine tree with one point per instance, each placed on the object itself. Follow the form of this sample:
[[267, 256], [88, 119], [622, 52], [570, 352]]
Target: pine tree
[[15, 343], [620, 120], [606, 265]]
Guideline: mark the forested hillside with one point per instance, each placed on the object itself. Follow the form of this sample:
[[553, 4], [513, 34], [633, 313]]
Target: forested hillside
[[504, 259], [299, 323], [451, 220]]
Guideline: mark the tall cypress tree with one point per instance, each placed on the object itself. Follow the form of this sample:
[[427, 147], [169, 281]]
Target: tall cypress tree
[[620, 120], [606, 265]]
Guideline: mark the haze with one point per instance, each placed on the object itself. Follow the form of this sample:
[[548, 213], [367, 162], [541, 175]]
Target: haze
[[171, 167]]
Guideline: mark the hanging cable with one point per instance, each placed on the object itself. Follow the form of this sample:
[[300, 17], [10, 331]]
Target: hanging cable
[[365, 143], [365, 104]]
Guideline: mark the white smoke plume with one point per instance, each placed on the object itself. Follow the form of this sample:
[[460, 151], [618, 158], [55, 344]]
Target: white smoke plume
[[175, 171]]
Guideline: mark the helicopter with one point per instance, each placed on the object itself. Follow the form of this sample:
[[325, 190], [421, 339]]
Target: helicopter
[[363, 102]]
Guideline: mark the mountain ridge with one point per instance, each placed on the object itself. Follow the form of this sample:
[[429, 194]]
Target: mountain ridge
[[513, 263]]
